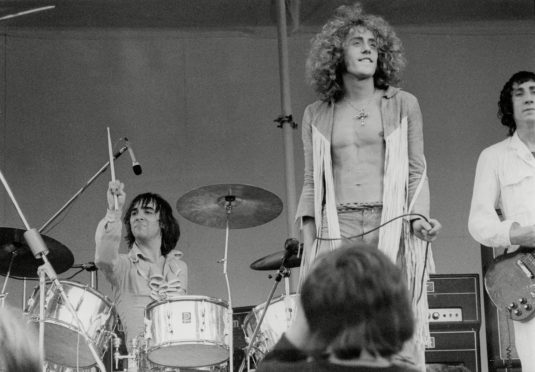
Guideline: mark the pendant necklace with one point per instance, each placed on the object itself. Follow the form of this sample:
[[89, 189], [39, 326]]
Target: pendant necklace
[[361, 113]]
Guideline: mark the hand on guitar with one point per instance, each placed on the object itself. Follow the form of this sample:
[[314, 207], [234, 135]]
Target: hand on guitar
[[522, 235]]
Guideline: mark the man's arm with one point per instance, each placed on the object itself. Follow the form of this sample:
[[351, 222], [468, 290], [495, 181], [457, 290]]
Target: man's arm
[[418, 182], [483, 222], [109, 232]]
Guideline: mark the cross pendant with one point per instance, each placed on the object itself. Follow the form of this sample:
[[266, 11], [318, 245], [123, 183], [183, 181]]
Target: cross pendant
[[361, 116]]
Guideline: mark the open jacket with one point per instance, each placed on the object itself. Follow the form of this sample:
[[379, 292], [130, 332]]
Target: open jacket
[[405, 187]]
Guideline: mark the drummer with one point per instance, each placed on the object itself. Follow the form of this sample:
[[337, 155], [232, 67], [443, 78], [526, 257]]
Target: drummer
[[152, 269]]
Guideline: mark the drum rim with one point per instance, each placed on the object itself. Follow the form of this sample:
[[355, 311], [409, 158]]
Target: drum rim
[[167, 344], [79, 285], [262, 306], [213, 300]]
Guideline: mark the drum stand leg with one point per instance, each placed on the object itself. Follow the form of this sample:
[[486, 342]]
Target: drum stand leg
[[3, 294], [283, 273], [38, 247]]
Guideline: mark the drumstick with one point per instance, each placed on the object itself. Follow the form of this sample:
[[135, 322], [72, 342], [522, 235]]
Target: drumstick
[[112, 168]]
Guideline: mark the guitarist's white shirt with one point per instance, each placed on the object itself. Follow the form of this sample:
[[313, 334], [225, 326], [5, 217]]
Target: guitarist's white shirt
[[504, 180]]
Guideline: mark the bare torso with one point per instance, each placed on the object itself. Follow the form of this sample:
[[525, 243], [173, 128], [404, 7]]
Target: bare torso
[[358, 153]]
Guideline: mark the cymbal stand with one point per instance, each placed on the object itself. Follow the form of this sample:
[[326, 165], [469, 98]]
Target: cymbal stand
[[282, 273], [228, 208], [3, 294], [38, 247]]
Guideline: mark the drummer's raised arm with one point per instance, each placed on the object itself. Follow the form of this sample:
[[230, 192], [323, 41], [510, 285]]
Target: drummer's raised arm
[[109, 229]]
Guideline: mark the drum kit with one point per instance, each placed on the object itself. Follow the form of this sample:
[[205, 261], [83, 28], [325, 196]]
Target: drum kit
[[181, 334]]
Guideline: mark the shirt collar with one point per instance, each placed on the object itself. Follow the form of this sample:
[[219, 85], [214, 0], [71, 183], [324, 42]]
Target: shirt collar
[[516, 143]]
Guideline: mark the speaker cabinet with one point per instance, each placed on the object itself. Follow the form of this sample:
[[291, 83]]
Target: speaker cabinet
[[501, 349], [454, 348]]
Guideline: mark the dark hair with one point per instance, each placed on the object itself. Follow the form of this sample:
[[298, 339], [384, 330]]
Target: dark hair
[[505, 104], [356, 299], [325, 64], [168, 223]]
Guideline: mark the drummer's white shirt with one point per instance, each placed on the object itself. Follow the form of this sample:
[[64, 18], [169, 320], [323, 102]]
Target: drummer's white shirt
[[136, 281]]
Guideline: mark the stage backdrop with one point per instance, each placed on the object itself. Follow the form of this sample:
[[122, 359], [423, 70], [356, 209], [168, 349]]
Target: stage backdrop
[[199, 110]]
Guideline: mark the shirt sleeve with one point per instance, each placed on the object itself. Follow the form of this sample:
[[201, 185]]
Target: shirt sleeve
[[107, 242], [305, 206], [418, 182], [484, 223]]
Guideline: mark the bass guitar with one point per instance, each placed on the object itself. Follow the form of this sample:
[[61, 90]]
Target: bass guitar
[[510, 283]]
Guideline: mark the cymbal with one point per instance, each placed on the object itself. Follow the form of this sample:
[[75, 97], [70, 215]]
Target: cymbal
[[244, 205], [25, 265], [274, 262]]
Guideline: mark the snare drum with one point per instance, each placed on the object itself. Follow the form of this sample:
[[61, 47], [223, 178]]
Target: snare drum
[[188, 331], [279, 316], [64, 343]]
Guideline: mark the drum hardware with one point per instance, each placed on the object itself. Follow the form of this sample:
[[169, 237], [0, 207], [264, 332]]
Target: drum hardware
[[134, 355], [187, 332], [40, 251], [274, 260], [92, 268], [229, 206], [291, 249]]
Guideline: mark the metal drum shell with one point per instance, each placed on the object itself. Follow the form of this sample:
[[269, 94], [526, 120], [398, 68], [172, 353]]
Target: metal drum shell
[[64, 343], [187, 331], [279, 315]]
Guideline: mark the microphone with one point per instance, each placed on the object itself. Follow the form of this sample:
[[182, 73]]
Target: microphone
[[90, 266], [291, 246], [135, 164]]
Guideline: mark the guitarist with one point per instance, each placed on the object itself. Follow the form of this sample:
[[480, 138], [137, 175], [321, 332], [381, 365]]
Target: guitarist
[[505, 180]]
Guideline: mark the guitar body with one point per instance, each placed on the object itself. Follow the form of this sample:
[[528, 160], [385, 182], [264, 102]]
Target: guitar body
[[510, 283]]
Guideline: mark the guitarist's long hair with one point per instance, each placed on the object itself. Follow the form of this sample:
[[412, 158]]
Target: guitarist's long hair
[[505, 104]]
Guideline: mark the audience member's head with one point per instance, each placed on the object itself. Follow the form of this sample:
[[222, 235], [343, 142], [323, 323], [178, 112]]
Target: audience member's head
[[356, 299], [19, 348]]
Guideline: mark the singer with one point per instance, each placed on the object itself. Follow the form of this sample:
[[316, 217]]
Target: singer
[[363, 150], [152, 269]]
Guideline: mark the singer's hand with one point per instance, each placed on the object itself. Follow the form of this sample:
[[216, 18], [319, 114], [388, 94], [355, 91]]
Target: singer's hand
[[426, 231], [116, 188]]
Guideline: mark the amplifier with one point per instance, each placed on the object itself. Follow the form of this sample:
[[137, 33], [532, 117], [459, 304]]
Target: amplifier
[[454, 301], [454, 348]]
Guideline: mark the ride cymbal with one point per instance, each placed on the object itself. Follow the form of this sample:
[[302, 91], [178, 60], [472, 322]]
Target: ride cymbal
[[13, 245], [242, 206]]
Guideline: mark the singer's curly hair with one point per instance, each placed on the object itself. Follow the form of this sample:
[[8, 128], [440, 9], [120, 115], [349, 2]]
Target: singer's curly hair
[[168, 223], [325, 64], [505, 104]]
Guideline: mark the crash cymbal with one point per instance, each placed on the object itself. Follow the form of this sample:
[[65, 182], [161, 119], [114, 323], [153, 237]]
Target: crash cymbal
[[25, 265], [245, 206], [274, 261]]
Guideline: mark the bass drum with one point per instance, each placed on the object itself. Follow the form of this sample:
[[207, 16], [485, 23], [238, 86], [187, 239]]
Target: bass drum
[[279, 316], [64, 344], [187, 331]]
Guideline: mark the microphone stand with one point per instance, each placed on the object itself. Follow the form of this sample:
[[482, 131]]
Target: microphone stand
[[79, 192], [283, 272], [38, 247]]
